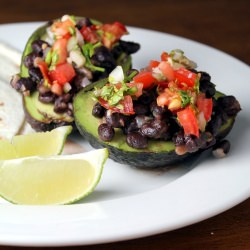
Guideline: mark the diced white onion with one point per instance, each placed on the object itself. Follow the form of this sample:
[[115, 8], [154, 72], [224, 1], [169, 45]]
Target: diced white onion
[[77, 58], [72, 43], [79, 38], [66, 87], [116, 75]]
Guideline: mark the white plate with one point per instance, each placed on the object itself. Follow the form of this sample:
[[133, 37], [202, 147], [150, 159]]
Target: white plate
[[130, 203]]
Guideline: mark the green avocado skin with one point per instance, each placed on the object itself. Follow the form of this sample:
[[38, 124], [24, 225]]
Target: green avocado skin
[[158, 153]]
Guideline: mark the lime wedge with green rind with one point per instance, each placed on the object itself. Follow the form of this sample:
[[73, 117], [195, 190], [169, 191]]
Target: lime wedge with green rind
[[61, 179], [40, 143]]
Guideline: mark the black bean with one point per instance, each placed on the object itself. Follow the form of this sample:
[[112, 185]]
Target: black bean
[[38, 47], [29, 60], [208, 88], [214, 124], [157, 111], [205, 77], [221, 149], [81, 81], [103, 58], [116, 120], [154, 129], [15, 83], [142, 119], [147, 97], [25, 84], [42, 89], [125, 46], [66, 97], [178, 139], [191, 143], [136, 140], [48, 97], [98, 110], [229, 104], [140, 109], [60, 106], [35, 74], [106, 132], [130, 126]]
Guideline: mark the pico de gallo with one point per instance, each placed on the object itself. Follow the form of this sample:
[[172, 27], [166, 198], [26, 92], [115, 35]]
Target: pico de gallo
[[72, 53], [167, 100]]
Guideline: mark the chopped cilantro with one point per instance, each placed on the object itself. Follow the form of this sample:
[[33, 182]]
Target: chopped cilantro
[[185, 98], [88, 50]]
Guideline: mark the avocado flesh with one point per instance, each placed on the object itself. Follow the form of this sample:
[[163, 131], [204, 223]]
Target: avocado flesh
[[40, 115], [43, 112], [157, 154]]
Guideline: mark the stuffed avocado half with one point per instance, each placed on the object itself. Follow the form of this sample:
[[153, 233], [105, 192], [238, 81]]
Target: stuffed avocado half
[[62, 57], [163, 114]]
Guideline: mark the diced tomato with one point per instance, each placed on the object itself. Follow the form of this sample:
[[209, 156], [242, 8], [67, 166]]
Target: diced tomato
[[126, 103], [205, 105], [44, 70], [62, 73], [185, 76], [162, 99], [188, 121], [162, 85], [89, 34], [146, 78], [164, 56], [170, 99], [167, 70], [57, 89], [112, 33], [116, 28], [153, 64], [139, 87], [62, 29], [60, 48]]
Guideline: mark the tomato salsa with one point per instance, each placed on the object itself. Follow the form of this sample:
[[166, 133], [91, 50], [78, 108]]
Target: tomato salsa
[[167, 100]]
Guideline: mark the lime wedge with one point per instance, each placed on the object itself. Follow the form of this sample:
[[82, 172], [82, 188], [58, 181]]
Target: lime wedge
[[61, 179], [40, 143]]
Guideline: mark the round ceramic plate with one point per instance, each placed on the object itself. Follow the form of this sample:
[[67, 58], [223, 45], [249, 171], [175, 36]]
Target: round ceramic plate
[[130, 203]]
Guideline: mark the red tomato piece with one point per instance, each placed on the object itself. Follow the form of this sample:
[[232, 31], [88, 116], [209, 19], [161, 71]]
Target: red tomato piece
[[126, 103], [139, 87], [44, 70], [205, 105], [167, 70], [186, 76], [62, 73], [89, 34], [188, 121], [164, 56], [163, 99], [112, 33], [60, 48], [57, 89], [146, 78], [62, 29], [153, 64], [116, 28]]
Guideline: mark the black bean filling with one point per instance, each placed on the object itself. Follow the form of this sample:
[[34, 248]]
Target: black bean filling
[[151, 122], [102, 57]]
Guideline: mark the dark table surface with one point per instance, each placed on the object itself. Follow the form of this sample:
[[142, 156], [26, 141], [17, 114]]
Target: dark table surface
[[222, 24]]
